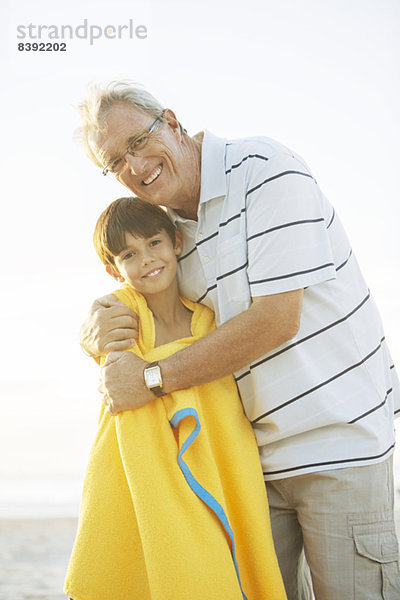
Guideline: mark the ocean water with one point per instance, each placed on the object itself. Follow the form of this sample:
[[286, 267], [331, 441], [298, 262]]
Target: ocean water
[[58, 495], [38, 497]]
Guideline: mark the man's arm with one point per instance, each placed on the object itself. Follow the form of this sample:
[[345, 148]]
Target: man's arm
[[269, 322]]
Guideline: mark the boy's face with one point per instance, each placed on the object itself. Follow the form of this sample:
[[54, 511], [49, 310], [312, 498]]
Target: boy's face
[[149, 264]]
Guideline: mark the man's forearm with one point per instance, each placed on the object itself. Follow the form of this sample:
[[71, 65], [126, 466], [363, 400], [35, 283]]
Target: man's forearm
[[268, 323]]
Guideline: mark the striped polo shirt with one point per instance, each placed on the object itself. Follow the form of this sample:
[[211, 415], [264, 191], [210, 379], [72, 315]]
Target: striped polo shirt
[[327, 398]]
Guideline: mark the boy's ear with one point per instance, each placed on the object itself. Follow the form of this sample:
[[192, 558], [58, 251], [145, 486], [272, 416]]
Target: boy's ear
[[114, 273], [178, 242]]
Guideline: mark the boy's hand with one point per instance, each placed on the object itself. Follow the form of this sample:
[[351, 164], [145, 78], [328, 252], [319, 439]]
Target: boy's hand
[[122, 382], [110, 326]]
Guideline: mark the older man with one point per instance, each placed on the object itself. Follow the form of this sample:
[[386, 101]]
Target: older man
[[296, 324]]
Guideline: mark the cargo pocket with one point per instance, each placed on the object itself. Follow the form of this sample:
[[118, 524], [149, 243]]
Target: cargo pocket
[[377, 573]]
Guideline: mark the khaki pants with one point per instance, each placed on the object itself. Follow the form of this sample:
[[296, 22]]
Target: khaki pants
[[344, 518]]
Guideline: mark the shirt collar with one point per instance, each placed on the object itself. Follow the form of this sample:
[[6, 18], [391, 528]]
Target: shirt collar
[[213, 178]]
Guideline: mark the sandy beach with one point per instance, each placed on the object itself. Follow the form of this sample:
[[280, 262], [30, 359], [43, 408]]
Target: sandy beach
[[34, 554]]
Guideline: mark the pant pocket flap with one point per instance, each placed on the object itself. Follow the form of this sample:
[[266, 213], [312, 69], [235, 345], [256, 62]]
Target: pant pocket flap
[[380, 547]]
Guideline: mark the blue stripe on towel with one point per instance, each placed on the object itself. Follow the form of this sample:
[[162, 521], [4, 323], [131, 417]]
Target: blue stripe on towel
[[198, 489]]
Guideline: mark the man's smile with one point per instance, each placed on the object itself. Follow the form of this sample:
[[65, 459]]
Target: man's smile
[[153, 175]]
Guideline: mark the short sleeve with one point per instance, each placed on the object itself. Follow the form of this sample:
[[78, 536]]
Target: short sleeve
[[286, 226]]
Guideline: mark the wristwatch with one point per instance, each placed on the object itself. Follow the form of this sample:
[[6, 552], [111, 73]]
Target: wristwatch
[[153, 379]]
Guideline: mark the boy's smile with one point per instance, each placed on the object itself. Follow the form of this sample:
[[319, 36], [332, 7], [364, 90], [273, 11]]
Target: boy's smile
[[154, 273]]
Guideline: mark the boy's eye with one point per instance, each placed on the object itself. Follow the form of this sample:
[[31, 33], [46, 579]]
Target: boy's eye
[[155, 242], [128, 255]]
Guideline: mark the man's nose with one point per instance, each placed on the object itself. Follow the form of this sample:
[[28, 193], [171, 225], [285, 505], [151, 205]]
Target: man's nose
[[135, 164]]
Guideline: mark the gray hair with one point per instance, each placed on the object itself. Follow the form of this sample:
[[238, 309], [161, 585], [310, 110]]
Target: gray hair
[[98, 102]]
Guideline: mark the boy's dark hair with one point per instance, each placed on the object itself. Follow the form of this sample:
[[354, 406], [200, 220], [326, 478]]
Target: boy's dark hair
[[128, 215]]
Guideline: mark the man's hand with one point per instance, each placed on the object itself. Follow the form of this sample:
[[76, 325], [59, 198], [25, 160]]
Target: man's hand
[[122, 382], [110, 326]]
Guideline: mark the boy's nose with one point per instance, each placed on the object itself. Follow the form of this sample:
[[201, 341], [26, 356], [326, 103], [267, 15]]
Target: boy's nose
[[147, 258]]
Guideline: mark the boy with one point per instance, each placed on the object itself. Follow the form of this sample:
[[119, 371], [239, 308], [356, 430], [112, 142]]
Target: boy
[[155, 525]]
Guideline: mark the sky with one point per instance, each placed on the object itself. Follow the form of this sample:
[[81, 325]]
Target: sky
[[320, 76]]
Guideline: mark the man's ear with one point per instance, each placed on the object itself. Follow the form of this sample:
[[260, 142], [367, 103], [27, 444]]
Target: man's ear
[[178, 242], [171, 120], [114, 273]]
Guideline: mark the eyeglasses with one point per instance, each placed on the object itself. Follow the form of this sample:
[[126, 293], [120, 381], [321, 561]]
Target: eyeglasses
[[136, 145]]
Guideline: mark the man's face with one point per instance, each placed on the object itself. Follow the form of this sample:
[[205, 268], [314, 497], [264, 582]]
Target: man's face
[[158, 174]]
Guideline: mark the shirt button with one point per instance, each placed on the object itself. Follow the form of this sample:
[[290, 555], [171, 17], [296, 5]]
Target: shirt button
[[206, 259], [199, 236]]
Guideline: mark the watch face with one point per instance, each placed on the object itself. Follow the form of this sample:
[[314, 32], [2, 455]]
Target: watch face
[[153, 377]]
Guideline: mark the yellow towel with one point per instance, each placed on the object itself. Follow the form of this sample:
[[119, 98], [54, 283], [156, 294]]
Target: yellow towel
[[171, 512]]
